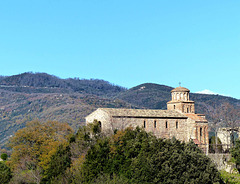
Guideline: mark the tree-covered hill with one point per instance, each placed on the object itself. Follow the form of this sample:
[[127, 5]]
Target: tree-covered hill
[[45, 83]]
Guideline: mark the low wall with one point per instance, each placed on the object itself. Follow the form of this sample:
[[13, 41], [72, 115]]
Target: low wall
[[222, 162]]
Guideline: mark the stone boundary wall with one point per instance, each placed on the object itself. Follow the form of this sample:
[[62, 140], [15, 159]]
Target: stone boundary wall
[[222, 162]]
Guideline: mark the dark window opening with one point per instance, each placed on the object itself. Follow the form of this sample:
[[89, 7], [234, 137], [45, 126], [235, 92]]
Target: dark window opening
[[187, 110], [200, 131], [144, 124], [166, 124], [174, 106], [176, 124], [155, 124]]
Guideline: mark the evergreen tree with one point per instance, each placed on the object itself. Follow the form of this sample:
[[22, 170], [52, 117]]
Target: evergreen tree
[[60, 161], [235, 152], [5, 173], [140, 157]]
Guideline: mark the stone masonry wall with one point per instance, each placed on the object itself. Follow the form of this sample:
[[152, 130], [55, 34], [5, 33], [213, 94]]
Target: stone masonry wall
[[161, 128]]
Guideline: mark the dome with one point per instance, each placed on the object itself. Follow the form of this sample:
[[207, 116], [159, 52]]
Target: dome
[[180, 89]]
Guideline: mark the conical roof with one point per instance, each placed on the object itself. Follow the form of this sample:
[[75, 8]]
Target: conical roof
[[180, 89]]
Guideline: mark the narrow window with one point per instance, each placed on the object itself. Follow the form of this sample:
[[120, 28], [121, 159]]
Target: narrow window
[[155, 124], [176, 124], [174, 106], [201, 132], [166, 124], [144, 124], [187, 110]]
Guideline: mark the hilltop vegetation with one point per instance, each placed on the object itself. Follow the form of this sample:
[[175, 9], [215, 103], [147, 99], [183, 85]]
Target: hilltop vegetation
[[30, 96], [45, 83]]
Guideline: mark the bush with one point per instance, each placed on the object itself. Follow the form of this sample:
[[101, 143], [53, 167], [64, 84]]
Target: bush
[[4, 156]]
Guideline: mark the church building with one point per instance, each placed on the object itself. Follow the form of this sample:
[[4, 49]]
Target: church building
[[179, 120]]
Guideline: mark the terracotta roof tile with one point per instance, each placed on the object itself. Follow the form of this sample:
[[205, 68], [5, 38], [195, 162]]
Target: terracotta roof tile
[[196, 117]]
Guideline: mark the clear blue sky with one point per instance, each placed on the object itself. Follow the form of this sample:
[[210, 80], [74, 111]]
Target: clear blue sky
[[195, 42]]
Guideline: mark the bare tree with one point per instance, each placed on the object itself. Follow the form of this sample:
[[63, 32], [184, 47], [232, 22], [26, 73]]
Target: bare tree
[[231, 119]]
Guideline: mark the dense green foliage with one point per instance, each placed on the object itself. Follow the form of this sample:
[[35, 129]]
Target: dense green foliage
[[235, 152], [60, 161], [140, 157], [5, 173], [4, 156], [230, 178]]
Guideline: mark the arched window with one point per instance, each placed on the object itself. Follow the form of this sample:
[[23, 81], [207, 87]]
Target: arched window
[[174, 106], [166, 124], [155, 124], [144, 124], [100, 124], [176, 124]]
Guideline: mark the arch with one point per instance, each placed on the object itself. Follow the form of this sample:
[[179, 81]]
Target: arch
[[185, 96], [177, 96]]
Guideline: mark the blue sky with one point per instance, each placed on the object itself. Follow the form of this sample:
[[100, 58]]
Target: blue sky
[[195, 42]]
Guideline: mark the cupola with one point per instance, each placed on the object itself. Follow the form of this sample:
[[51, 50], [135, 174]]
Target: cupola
[[180, 101]]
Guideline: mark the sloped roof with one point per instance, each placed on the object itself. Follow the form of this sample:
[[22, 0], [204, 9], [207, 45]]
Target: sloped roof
[[196, 117], [142, 113], [180, 89]]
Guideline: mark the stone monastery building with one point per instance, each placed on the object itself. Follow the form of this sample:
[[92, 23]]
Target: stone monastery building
[[179, 120]]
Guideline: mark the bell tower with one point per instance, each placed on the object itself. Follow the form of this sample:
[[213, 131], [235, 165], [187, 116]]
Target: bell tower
[[180, 101]]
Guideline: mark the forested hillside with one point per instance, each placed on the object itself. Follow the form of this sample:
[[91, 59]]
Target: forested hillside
[[30, 96]]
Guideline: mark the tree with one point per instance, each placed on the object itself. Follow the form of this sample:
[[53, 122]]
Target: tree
[[4, 156], [225, 115], [5, 173], [231, 119], [60, 161], [235, 152], [139, 157], [215, 147], [33, 147]]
